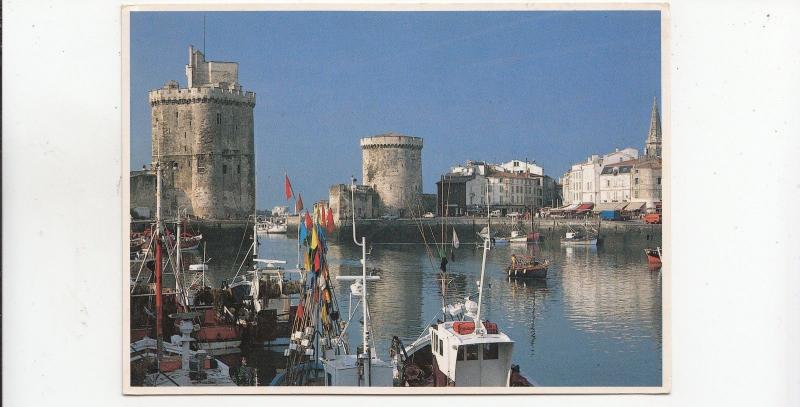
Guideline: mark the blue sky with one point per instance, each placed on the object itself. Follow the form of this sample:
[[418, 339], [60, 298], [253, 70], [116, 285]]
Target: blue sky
[[553, 87]]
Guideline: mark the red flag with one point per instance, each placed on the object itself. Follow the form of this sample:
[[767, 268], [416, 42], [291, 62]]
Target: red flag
[[288, 188], [323, 218], [309, 223], [298, 206], [330, 220]]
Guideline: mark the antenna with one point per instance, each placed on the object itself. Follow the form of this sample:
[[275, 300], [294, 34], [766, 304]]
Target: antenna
[[204, 34]]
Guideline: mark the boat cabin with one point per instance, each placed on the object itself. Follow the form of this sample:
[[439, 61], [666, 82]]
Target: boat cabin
[[464, 357], [343, 370]]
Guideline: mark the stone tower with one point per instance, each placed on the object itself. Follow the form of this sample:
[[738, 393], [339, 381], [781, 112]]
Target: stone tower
[[203, 137], [652, 147], [392, 166]]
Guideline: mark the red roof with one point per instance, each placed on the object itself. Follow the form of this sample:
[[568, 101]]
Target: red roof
[[584, 207]]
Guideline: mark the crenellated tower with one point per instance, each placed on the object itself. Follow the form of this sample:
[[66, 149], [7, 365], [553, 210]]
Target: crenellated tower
[[203, 136]]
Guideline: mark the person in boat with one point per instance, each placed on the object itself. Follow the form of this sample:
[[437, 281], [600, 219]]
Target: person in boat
[[443, 264]]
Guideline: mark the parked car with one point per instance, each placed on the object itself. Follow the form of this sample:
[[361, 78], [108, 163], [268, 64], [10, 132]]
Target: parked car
[[652, 218], [429, 215], [513, 214], [495, 213], [390, 216]]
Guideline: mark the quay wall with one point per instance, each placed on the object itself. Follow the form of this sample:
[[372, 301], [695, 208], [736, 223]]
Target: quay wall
[[411, 231]]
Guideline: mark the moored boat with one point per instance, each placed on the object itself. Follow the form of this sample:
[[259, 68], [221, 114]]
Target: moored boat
[[527, 267], [575, 239], [653, 256], [459, 352]]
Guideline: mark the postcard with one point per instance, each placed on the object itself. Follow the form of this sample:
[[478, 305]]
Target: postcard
[[377, 199]]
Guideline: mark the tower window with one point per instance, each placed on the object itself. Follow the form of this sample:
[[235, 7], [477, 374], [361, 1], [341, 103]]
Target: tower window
[[219, 118]]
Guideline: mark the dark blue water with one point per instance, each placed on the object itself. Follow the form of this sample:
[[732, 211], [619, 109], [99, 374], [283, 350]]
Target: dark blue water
[[595, 321]]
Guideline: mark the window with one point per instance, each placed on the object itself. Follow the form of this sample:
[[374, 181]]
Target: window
[[176, 115], [658, 180], [636, 181], [608, 183], [441, 350], [472, 352], [460, 353], [238, 168], [219, 118], [224, 169], [490, 351]]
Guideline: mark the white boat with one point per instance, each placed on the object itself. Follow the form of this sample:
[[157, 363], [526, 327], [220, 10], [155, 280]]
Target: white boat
[[493, 238], [179, 366], [579, 239], [459, 352], [269, 227]]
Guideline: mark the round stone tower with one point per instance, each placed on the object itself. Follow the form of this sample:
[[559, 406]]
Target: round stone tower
[[203, 138], [392, 165]]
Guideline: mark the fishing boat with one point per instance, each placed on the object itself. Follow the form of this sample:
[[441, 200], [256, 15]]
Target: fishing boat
[[216, 328], [460, 352], [174, 362], [527, 267], [177, 365], [319, 353], [653, 256], [585, 237]]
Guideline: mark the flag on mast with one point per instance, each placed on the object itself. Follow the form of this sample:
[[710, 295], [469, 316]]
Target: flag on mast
[[288, 188], [298, 206], [455, 239]]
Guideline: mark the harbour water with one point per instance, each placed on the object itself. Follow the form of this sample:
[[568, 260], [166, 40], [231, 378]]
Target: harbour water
[[595, 321]]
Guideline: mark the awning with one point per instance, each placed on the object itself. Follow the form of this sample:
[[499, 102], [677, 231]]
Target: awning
[[584, 207], [609, 206], [635, 206], [570, 208]]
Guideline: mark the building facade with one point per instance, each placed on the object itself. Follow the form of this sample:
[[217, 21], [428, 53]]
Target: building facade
[[647, 181], [202, 135], [515, 186], [616, 181], [392, 167]]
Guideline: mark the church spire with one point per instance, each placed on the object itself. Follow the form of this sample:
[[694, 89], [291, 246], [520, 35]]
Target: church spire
[[653, 144]]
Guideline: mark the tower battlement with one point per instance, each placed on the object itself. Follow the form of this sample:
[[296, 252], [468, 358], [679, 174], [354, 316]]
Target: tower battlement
[[169, 95], [392, 140]]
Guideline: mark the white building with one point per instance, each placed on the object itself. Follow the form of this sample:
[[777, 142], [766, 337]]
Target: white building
[[616, 181], [520, 167], [512, 186], [582, 182]]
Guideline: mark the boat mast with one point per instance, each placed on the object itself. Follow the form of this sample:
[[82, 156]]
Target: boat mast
[[365, 356], [157, 270], [479, 329]]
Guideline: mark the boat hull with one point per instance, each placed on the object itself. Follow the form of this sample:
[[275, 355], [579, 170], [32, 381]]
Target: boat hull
[[579, 242], [653, 257], [537, 271]]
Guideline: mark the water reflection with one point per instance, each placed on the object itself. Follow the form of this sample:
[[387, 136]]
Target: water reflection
[[595, 320]]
